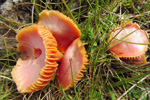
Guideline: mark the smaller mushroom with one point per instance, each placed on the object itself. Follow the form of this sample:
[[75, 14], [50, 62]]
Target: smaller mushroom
[[129, 42], [62, 27], [75, 57], [39, 62]]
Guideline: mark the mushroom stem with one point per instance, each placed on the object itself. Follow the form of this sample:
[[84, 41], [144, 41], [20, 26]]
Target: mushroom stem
[[59, 55]]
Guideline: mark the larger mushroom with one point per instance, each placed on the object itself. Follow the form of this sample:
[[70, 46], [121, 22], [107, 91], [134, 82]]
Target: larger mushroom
[[129, 42], [72, 65], [39, 62], [62, 27]]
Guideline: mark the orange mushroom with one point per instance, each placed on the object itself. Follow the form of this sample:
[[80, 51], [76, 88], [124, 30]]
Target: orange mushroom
[[62, 27], [75, 57], [39, 62], [129, 43]]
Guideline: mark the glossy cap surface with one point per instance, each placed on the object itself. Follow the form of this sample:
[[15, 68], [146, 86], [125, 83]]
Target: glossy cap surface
[[75, 57], [132, 41], [62, 27]]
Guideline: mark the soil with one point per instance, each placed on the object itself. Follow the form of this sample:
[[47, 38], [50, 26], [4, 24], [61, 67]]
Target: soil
[[11, 11]]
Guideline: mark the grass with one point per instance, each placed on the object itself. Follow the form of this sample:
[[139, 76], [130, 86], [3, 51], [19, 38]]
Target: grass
[[106, 76]]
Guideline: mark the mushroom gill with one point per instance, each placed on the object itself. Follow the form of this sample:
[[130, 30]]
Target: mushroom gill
[[39, 62], [62, 27], [136, 60], [129, 42], [75, 57]]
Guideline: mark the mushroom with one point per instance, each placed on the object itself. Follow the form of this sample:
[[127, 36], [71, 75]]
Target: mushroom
[[75, 58], [129, 42], [62, 27], [39, 62]]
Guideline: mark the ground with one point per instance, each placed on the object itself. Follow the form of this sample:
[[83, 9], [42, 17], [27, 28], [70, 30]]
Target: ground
[[106, 77]]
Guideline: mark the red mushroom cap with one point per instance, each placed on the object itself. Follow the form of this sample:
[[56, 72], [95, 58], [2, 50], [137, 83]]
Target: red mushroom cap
[[62, 27], [75, 57], [132, 43], [39, 62], [130, 46]]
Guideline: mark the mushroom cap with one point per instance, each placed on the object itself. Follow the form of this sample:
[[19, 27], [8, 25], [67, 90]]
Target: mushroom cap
[[62, 27], [39, 62], [130, 46], [75, 57]]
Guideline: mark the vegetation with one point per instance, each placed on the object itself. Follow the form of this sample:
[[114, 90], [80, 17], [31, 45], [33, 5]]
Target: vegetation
[[107, 77]]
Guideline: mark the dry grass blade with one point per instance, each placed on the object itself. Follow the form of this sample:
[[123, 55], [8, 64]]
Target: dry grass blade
[[132, 87]]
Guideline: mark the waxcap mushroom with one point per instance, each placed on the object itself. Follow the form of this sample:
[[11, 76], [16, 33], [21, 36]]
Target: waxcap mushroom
[[132, 41], [62, 27], [39, 62], [75, 57]]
